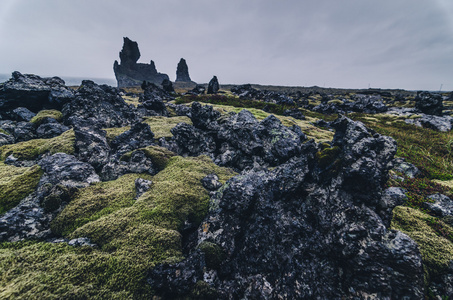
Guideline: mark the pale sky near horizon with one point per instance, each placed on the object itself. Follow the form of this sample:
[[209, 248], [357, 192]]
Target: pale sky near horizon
[[404, 44]]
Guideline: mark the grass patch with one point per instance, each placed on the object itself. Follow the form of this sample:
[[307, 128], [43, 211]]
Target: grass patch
[[133, 236], [131, 100], [16, 183], [161, 126], [31, 149], [430, 234], [52, 113]]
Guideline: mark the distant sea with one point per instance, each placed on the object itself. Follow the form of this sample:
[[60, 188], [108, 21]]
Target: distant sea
[[71, 81]]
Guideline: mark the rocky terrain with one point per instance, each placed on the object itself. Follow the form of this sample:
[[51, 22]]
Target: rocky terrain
[[223, 192]]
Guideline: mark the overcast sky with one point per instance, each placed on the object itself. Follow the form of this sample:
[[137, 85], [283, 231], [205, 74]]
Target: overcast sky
[[349, 43]]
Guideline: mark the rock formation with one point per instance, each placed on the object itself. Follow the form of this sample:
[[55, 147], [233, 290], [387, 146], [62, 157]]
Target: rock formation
[[130, 73], [213, 86], [429, 103], [182, 72]]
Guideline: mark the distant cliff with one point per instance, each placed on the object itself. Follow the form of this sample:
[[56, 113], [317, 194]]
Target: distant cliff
[[131, 73]]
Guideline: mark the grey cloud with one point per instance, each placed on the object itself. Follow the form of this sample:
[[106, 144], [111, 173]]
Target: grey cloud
[[350, 43]]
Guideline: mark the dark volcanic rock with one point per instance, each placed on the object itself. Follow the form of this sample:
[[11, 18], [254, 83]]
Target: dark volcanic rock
[[304, 231], [442, 206], [239, 141], [91, 145], [213, 86], [22, 114], [63, 175], [139, 136], [167, 86], [33, 92], [152, 100], [24, 131], [50, 130], [99, 104], [370, 104], [429, 103], [438, 123], [131, 73], [182, 72], [198, 90]]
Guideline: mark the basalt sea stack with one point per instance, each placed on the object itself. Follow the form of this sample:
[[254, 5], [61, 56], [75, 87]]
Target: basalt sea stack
[[130, 73]]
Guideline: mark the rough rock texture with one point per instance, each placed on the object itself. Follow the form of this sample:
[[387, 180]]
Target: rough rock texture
[[246, 91], [182, 72], [407, 169], [213, 86], [99, 104], [370, 104], [442, 206], [167, 86], [152, 100], [429, 103], [130, 73], [63, 175], [438, 123], [33, 93], [309, 229], [239, 141], [198, 90]]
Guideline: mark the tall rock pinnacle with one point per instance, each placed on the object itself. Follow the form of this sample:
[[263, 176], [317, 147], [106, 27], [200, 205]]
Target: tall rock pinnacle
[[182, 71], [131, 73]]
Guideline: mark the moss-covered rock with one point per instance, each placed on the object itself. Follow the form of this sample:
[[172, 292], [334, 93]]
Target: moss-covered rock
[[95, 201], [161, 126], [158, 155], [40, 116], [436, 250], [16, 183], [328, 156], [133, 236], [214, 254], [33, 148]]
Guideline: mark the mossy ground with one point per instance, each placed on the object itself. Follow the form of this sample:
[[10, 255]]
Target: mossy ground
[[430, 234], [133, 236], [40, 116], [33, 148], [161, 126], [16, 183], [159, 156]]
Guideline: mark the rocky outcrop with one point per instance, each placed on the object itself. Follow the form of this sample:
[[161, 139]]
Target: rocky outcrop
[[213, 86], [33, 93], [240, 141], [246, 91], [98, 104], [284, 233], [130, 73], [182, 72], [429, 103], [63, 175], [370, 104]]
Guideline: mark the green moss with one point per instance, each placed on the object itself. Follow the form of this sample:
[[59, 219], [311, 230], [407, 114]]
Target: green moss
[[133, 236], [33, 148], [40, 116], [30, 270], [96, 201], [113, 132], [335, 101], [436, 250], [214, 254], [161, 126], [327, 156], [4, 132], [159, 156], [203, 290], [16, 183]]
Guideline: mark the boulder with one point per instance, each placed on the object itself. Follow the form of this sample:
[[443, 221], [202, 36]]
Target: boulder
[[130, 73], [50, 130], [139, 136], [197, 90], [99, 104], [167, 86], [213, 86], [182, 72], [33, 93], [442, 205], [429, 103]]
